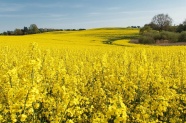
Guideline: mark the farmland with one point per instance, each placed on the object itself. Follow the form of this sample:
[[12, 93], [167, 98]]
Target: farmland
[[94, 76]]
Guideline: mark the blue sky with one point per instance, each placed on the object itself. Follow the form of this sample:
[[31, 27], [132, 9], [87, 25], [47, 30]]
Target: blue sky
[[76, 14]]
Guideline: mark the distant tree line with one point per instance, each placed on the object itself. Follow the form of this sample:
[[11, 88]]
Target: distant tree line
[[133, 27], [161, 30], [33, 29]]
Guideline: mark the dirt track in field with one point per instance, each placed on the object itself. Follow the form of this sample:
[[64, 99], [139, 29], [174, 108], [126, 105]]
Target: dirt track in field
[[162, 44]]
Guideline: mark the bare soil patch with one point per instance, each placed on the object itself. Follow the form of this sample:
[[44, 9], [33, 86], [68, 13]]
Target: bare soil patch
[[165, 43]]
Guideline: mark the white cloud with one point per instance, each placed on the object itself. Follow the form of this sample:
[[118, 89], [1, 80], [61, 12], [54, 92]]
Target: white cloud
[[39, 15], [139, 12], [76, 6], [43, 5], [55, 5], [9, 7], [113, 8], [94, 13], [6, 9]]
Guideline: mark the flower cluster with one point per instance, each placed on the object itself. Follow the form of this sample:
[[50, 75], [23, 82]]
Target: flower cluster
[[91, 84]]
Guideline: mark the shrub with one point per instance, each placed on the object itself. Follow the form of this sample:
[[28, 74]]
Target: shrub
[[182, 37], [152, 36], [146, 40], [149, 37], [145, 29], [170, 36], [156, 36]]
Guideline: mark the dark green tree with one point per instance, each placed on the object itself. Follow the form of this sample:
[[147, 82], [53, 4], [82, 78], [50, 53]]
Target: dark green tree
[[25, 30], [184, 22], [18, 32], [182, 27], [33, 29], [182, 37], [5, 33], [144, 29]]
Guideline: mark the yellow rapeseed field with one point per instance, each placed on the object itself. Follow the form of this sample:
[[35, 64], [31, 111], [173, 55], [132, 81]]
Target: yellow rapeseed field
[[92, 76]]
